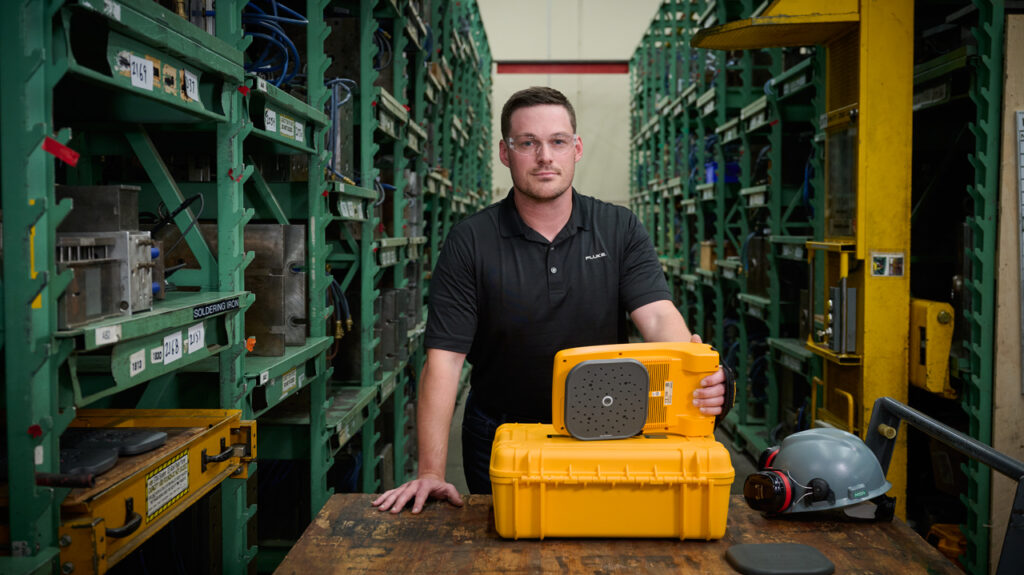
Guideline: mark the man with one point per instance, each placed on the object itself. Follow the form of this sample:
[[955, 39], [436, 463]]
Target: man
[[545, 269]]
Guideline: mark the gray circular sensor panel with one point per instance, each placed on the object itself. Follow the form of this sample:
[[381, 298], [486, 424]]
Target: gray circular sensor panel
[[606, 399]]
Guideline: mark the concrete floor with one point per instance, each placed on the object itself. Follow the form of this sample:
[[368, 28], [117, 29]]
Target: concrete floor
[[741, 462]]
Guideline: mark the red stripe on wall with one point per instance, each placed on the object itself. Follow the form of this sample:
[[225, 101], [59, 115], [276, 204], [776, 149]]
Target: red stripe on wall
[[563, 67]]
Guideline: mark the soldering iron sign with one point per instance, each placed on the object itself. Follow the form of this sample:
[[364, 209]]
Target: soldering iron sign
[[199, 312]]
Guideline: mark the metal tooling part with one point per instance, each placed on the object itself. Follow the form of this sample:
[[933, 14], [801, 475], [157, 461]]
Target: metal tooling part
[[606, 399], [295, 304], [113, 274], [100, 208]]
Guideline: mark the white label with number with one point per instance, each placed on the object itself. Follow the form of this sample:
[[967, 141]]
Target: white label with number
[[288, 382], [261, 84], [142, 72], [136, 363], [156, 355], [270, 120], [191, 86], [668, 393], [172, 348], [112, 9], [300, 132], [196, 338], [108, 335], [264, 377]]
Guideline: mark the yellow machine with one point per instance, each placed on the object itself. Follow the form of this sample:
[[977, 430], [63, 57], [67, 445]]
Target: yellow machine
[[618, 391]]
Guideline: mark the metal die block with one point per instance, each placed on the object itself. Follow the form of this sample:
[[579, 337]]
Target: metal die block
[[389, 304], [94, 289], [265, 318], [415, 138], [295, 306], [100, 208], [391, 115], [130, 503], [402, 338], [113, 275]]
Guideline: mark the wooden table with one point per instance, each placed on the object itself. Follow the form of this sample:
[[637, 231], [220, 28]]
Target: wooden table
[[350, 536]]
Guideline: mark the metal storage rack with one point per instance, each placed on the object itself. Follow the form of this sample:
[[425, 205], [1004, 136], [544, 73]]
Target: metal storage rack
[[193, 122], [709, 230]]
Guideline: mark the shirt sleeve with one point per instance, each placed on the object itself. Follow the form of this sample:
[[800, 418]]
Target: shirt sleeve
[[642, 280], [452, 305]]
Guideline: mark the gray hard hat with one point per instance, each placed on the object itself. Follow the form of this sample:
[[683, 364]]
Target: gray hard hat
[[830, 469]]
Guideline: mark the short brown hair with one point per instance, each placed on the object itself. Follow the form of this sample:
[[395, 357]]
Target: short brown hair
[[534, 96]]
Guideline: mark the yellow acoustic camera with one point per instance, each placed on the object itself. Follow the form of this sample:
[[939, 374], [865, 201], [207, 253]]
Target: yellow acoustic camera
[[622, 390]]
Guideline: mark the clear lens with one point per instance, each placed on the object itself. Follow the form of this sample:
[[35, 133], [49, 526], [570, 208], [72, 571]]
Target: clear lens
[[528, 145]]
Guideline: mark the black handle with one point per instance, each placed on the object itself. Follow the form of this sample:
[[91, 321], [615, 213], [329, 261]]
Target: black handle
[[225, 453], [132, 521]]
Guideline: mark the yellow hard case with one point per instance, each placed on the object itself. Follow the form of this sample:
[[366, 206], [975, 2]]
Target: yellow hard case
[[675, 370], [549, 485]]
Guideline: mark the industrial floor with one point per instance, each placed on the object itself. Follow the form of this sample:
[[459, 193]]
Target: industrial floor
[[741, 462]]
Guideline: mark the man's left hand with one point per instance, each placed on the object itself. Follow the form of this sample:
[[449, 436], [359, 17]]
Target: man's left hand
[[710, 396]]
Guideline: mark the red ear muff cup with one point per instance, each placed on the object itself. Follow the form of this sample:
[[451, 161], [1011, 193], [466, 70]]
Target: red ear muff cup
[[764, 461], [768, 490], [789, 488]]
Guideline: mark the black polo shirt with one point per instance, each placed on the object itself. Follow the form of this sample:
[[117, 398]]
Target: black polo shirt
[[510, 299]]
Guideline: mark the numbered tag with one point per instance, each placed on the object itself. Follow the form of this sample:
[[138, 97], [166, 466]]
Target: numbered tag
[[288, 382], [287, 126], [300, 132], [172, 348], [264, 377], [261, 84], [156, 355], [108, 335], [142, 72], [191, 85], [136, 363], [270, 120], [196, 338]]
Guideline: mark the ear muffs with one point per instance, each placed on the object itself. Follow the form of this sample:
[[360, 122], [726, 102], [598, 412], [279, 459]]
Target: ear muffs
[[770, 490]]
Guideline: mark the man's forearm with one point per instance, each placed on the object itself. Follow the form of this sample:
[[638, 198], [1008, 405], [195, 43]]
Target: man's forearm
[[660, 321], [438, 388]]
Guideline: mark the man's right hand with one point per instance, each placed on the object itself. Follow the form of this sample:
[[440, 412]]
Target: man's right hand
[[418, 490]]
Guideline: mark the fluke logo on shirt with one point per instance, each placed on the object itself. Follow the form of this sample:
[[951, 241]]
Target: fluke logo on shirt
[[596, 256]]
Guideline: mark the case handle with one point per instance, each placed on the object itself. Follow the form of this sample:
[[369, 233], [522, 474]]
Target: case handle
[[132, 521], [225, 453]]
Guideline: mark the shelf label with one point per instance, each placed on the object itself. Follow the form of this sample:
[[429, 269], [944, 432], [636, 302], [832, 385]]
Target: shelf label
[[112, 9], [172, 348], [288, 381], [261, 84], [269, 120], [886, 265], [300, 132], [196, 338], [166, 484], [191, 85], [39, 455], [137, 363], [108, 335], [202, 311], [141, 72], [156, 355], [287, 126], [264, 377]]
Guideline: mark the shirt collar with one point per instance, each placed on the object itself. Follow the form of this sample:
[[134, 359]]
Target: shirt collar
[[512, 224]]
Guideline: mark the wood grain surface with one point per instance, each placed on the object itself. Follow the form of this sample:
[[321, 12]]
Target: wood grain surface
[[350, 536]]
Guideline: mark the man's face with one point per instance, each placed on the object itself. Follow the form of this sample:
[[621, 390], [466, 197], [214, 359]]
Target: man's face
[[543, 174]]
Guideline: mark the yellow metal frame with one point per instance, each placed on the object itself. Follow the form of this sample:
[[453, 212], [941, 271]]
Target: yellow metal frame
[[87, 513], [881, 88]]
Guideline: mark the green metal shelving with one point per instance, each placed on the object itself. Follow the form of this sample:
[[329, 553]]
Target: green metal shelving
[[307, 410]]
